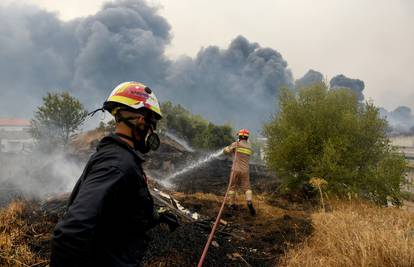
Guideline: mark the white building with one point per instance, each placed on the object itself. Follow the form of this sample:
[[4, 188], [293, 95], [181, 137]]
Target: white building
[[405, 145], [15, 136]]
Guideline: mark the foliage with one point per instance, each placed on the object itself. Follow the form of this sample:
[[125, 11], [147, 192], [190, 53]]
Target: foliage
[[107, 127], [327, 133], [57, 118], [257, 146], [198, 131]]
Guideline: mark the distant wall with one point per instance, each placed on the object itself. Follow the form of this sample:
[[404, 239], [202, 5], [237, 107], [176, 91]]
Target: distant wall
[[403, 141], [15, 139], [405, 145]]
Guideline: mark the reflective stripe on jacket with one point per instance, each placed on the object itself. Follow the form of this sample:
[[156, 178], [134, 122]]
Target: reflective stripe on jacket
[[244, 151]]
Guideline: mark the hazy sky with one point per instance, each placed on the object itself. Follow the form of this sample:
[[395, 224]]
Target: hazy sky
[[372, 40]]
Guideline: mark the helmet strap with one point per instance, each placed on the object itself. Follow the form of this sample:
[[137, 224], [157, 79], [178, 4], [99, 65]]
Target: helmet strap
[[96, 110], [130, 125]]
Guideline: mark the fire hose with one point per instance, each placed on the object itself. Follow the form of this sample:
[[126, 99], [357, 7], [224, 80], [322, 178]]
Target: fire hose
[[213, 230]]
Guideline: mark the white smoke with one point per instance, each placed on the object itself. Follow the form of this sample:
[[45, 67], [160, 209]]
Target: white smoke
[[38, 174], [400, 119]]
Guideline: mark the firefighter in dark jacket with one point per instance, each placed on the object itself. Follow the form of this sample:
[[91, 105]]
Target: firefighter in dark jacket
[[111, 208]]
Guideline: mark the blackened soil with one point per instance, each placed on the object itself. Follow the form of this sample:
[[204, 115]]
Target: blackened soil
[[242, 240]]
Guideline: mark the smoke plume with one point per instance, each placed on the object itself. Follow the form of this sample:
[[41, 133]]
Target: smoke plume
[[341, 81], [124, 41], [311, 77], [86, 56], [238, 84]]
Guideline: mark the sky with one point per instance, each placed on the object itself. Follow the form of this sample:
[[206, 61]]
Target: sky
[[371, 40]]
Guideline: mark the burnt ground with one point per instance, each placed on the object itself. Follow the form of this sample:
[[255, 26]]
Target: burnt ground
[[247, 240], [241, 240]]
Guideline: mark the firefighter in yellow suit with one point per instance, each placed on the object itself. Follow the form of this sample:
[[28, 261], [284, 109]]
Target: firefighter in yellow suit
[[241, 151]]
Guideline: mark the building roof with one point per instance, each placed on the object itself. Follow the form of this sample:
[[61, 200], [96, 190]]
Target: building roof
[[14, 122]]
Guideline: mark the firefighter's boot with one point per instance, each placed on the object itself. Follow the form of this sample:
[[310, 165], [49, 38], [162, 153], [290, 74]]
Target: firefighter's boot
[[249, 196], [251, 208], [232, 198]]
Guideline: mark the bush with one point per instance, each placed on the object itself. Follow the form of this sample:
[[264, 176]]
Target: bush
[[327, 133]]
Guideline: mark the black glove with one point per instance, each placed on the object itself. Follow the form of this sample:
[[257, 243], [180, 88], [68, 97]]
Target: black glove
[[168, 218]]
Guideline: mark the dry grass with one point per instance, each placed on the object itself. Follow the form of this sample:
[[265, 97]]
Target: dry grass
[[14, 250], [357, 234], [261, 204]]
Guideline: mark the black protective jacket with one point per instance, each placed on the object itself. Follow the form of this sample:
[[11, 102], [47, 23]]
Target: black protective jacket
[[109, 211]]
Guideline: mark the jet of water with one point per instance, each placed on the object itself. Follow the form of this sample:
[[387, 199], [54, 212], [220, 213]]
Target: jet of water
[[167, 182], [180, 141]]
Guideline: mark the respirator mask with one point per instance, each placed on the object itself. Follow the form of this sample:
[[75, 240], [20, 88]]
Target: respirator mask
[[148, 139]]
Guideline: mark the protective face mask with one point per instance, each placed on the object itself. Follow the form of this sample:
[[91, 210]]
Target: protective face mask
[[151, 142], [148, 140]]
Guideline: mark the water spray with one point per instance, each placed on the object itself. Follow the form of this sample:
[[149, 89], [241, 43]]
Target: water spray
[[167, 182], [180, 141]]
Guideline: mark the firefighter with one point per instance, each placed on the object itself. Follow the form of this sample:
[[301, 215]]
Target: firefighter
[[241, 151], [110, 208]]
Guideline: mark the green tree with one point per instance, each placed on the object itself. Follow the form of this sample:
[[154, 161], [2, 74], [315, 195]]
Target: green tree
[[57, 118], [198, 131], [327, 133]]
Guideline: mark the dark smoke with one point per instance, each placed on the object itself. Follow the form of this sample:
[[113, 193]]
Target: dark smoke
[[401, 120], [238, 84], [87, 56], [310, 78], [341, 81], [35, 56], [124, 41]]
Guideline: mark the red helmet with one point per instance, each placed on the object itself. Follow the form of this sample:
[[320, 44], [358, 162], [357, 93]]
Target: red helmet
[[244, 133]]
